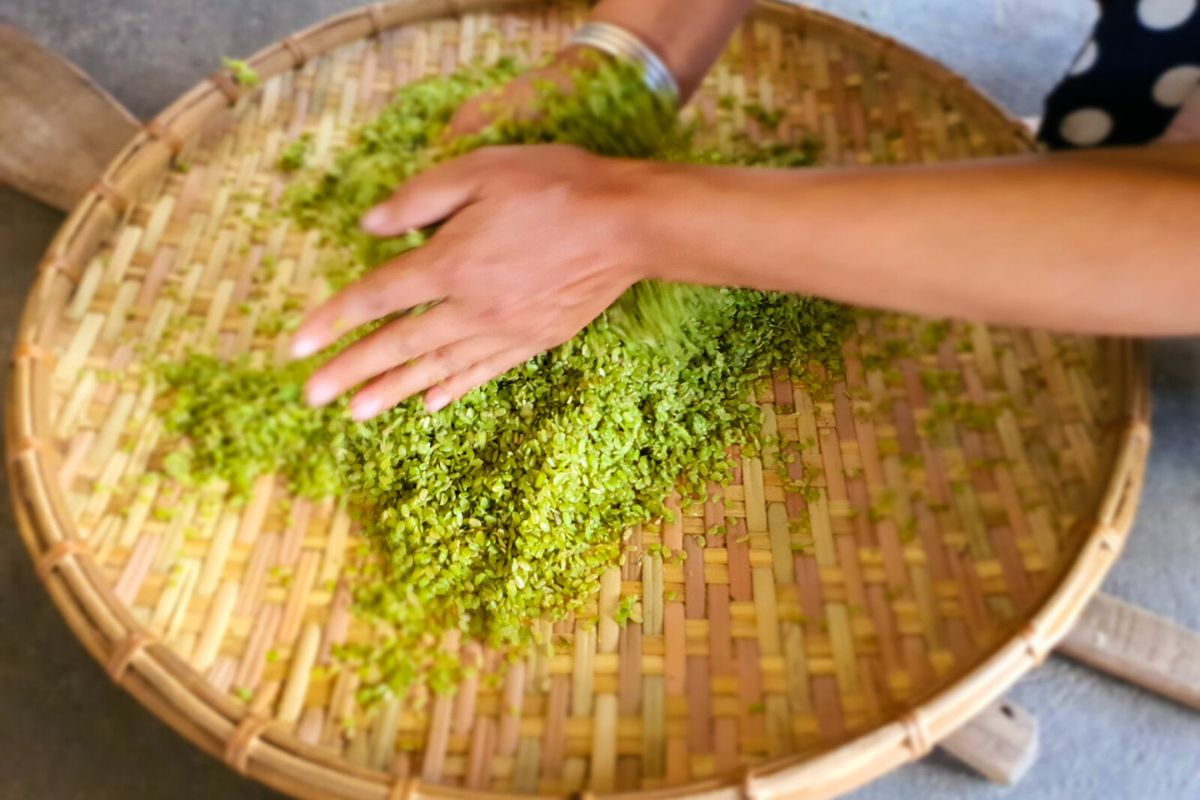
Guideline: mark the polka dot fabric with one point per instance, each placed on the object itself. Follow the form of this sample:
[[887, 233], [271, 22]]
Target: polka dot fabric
[[1130, 79]]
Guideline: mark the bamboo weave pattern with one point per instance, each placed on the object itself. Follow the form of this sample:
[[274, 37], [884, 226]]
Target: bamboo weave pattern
[[939, 493]]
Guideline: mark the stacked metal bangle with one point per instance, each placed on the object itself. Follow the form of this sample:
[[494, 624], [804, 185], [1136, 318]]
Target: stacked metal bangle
[[620, 43]]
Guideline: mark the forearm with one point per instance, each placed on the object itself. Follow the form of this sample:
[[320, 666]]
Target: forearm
[[687, 35], [1103, 242]]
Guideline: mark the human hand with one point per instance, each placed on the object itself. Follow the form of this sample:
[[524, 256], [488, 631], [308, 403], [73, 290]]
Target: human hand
[[518, 98], [537, 242]]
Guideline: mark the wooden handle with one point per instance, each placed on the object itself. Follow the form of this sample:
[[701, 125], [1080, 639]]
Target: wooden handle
[[1111, 635], [1139, 647], [58, 129], [1001, 743]]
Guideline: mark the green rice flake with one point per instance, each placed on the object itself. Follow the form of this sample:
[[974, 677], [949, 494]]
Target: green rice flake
[[243, 74]]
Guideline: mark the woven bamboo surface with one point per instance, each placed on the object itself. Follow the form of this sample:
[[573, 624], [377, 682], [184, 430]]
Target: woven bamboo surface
[[958, 497]]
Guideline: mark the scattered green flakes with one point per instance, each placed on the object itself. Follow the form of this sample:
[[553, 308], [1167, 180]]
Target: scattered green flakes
[[670, 596], [966, 414], [883, 507], [894, 349], [627, 610], [944, 380], [268, 268], [768, 118], [244, 694], [271, 325], [240, 422], [402, 141], [295, 155], [976, 417], [933, 333], [243, 74], [757, 708], [272, 656]]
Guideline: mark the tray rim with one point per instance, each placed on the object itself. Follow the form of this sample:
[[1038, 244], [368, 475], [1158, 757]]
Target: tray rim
[[256, 746]]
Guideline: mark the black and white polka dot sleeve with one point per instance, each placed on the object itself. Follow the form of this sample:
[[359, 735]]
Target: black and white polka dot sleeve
[[1130, 79]]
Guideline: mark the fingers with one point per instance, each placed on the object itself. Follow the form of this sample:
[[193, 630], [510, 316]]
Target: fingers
[[394, 344], [467, 120], [516, 101], [473, 116], [430, 197], [462, 383], [406, 282], [400, 383]]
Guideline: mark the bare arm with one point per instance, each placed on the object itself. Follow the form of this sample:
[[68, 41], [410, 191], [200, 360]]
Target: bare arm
[[1105, 241], [687, 35]]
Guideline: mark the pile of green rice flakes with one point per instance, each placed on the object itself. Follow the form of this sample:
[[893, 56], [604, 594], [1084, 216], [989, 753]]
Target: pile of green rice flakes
[[503, 509]]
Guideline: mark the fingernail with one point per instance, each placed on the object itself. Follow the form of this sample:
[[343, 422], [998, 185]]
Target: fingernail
[[304, 347], [364, 408], [374, 220], [318, 394], [436, 400]]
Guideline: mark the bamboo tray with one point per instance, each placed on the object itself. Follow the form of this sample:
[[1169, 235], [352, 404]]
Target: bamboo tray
[[969, 486]]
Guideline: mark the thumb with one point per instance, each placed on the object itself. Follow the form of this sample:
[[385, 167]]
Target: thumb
[[468, 119]]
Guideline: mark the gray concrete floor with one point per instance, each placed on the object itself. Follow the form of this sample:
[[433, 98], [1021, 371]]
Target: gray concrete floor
[[67, 732]]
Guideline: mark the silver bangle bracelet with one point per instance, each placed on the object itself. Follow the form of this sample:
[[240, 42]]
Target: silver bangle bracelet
[[620, 43]]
